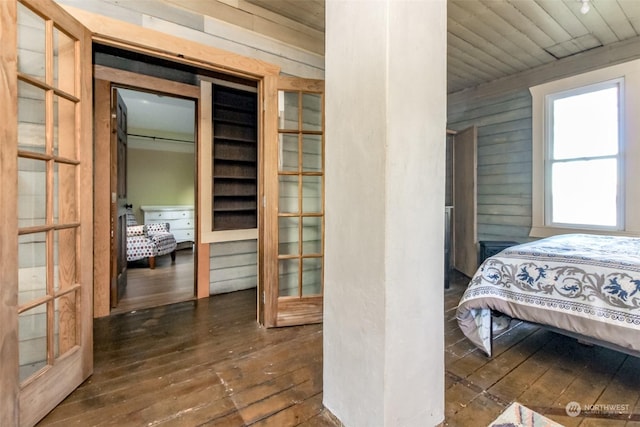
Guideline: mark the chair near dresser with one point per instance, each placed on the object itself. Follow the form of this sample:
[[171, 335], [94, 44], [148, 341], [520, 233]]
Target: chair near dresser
[[148, 240]]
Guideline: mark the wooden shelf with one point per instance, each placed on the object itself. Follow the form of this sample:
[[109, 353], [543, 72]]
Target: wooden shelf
[[235, 122], [232, 107], [232, 139], [222, 196], [235, 159], [251, 209], [252, 178], [232, 160]]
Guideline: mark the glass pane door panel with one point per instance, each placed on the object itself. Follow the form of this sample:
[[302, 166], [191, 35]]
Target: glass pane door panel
[[31, 118], [311, 235], [31, 43], [63, 61], [288, 152], [288, 272], [312, 153], [288, 236], [311, 276], [32, 268], [311, 112], [32, 192], [32, 341], [64, 196], [288, 110], [312, 194], [288, 194]]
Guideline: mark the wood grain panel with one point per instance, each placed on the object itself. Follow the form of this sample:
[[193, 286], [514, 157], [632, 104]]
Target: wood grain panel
[[296, 311], [268, 232], [465, 252], [102, 197], [9, 380]]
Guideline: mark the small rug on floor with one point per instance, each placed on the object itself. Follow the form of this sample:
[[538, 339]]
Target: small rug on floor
[[517, 415]]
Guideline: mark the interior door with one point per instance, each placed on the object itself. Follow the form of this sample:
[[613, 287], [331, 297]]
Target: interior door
[[46, 217], [465, 164], [294, 206], [118, 198]]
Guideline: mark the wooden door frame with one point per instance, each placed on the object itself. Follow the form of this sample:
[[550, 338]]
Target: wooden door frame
[[9, 379], [104, 79], [465, 185], [134, 38]]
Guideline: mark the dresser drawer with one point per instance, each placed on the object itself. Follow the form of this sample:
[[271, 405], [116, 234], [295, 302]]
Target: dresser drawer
[[159, 216], [184, 235], [180, 224]]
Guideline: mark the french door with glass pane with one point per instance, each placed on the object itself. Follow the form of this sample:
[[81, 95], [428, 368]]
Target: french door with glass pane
[[297, 292], [45, 224]]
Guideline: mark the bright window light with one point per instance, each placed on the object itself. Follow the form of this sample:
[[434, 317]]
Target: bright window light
[[583, 161]]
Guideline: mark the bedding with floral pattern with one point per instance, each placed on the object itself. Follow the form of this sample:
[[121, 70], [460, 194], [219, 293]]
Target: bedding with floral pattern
[[588, 285]]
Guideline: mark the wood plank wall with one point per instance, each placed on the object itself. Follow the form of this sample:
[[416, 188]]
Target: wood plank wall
[[254, 33], [233, 266], [504, 162], [502, 112]]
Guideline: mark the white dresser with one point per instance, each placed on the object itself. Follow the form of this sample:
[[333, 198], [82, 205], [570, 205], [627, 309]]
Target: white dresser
[[180, 218]]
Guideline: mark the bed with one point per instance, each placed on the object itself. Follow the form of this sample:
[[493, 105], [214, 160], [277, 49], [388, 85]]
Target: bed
[[582, 285]]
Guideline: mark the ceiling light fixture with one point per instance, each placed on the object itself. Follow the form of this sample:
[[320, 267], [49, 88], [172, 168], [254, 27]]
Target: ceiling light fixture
[[585, 6]]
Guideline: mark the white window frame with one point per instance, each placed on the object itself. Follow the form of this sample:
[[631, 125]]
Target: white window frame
[[629, 143], [549, 141]]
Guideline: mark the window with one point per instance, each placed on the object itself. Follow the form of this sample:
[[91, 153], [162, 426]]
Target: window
[[586, 153], [583, 137]]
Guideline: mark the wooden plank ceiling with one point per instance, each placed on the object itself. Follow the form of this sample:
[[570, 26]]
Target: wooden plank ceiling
[[490, 39]]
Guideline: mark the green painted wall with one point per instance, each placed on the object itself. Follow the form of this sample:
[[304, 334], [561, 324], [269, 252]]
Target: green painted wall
[[159, 178]]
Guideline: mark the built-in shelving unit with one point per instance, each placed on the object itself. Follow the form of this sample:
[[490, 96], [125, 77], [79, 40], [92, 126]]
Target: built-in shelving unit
[[235, 159]]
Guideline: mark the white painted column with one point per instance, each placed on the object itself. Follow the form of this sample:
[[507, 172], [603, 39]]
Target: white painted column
[[385, 161]]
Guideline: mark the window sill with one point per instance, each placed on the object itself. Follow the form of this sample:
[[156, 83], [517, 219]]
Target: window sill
[[229, 235], [545, 231]]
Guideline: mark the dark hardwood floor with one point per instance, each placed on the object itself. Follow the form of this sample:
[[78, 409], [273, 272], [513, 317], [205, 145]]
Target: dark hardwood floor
[[540, 369], [168, 283], [206, 362], [202, 362]]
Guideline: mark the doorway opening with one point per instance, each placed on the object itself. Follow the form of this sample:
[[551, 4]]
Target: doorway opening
[[158, 191], [158, 170]]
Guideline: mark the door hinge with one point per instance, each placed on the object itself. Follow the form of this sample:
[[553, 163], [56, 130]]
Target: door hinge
[[264, 201], [264, 299]]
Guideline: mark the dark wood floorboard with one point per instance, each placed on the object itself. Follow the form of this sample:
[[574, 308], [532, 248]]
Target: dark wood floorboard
[[202, 362], [168, 283], [537, 368], [207, 363]]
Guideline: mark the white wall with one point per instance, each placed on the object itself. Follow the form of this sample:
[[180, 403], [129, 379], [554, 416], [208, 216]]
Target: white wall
[[385, 157]]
